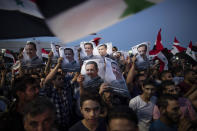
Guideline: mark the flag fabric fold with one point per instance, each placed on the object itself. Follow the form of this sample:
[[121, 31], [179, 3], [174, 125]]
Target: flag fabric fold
[[176, 48], [190, 52], [45, 53]]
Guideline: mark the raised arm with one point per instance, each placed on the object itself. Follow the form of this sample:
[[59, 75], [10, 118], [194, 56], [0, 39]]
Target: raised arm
[[53, 71]]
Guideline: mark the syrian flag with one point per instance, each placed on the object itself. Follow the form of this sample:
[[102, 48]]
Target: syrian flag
[[158, 43], [20, 19], [67, 19], [190, 52], [176, 48], [158, 55], [96, 40], [45, 53], [72, 19], [9, 55]]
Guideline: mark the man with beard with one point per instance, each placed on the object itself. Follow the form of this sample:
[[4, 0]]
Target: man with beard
[[60, 93], [186, 108], [170, 115], [189, 81], [144, 104], [25, 90], [32, 59]]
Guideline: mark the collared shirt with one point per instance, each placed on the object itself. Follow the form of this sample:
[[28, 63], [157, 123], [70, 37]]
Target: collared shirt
[[94, 83], [62, 101]]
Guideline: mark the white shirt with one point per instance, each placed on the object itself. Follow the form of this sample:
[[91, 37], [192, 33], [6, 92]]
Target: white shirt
[[143, 110]]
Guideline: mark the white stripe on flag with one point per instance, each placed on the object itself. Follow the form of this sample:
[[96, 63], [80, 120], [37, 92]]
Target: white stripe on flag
[[88, 17]]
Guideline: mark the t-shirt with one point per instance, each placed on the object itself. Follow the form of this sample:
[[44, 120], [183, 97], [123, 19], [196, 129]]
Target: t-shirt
[[143, 110], [160, 126], [80, 127]]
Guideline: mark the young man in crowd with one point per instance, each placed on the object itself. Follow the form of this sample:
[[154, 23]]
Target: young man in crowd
[[144, 104], [39, 115], [188, 82], [59, 90], [135, 80], [25, 90], [170, 116], [186, 108], [90, 106], [122, 118]]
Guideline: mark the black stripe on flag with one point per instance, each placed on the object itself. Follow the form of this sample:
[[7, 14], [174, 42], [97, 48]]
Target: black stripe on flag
[[14, 24], [50, 8]]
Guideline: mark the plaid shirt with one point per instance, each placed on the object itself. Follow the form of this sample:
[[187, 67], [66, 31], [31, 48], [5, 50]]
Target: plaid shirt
[[62, 101]]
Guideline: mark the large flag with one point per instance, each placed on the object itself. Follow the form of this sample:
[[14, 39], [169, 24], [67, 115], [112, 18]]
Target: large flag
[[176, 48], [67, 19], [21, 18], [190, 52]]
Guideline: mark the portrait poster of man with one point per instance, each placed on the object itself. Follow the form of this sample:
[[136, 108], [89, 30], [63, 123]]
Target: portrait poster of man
[[32, 56], [87, 48], [142, 54], [114, 77], [70, 62], [136, 50], [108, 50], [98, 71], [55, 49]]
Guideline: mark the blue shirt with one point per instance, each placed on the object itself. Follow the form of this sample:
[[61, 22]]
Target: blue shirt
[[160, 126]]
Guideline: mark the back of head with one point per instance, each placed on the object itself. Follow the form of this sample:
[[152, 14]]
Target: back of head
[[163, 100], [90, 95], [122, 112], [38, 106], [20, 84]]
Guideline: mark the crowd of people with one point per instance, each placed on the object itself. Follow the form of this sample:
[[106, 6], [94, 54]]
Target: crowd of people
[[96, 92]]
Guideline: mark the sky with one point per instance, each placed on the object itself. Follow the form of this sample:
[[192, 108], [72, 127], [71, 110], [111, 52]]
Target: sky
[[175, 18]]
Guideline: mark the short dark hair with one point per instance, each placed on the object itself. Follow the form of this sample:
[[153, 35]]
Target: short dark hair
[[38, 106], [163, 100], [33, 44], [166, 83], [92, 62], [115, 48], [103, 45], [20, 83], [164, 73], [88, 44], [142, 46], [122, 112], [90, 95], [69, 50], [149, 82]]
